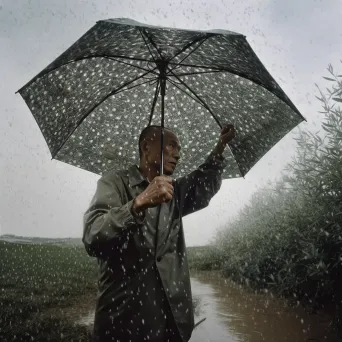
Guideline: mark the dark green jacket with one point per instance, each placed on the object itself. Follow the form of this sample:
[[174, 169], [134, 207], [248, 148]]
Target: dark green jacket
[[137, 287]]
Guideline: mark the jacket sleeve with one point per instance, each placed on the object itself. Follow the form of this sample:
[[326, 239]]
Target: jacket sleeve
[[197, 188], [108, 219]]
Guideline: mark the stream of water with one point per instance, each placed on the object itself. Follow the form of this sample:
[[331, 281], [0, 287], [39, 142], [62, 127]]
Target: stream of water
[[235, 314]]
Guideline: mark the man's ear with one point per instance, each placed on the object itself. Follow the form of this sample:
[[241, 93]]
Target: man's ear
[[145, 148]]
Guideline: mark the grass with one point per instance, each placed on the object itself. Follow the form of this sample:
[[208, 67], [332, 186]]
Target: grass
[[44, 289], [38, 284], [289, 237]]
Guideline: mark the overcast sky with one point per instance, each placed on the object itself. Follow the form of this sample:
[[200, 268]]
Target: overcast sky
[[296, 40]]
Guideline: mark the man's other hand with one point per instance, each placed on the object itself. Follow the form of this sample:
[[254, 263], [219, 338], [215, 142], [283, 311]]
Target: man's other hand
[[227, 134]]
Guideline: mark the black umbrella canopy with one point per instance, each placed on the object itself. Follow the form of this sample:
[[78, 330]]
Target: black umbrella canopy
[[92, 102]]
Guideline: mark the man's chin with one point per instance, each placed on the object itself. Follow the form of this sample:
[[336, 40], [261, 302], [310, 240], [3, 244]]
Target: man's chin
[[168, 171]]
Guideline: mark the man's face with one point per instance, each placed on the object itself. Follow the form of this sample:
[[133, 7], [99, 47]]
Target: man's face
[[171, 151]]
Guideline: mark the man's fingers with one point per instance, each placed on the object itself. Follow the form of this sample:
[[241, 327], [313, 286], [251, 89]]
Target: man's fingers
[[230, 132], [168, 197], [227, 128], [230, 136], [161, 180], [227, 137], [167, 189], [165, 185], [167, 179]]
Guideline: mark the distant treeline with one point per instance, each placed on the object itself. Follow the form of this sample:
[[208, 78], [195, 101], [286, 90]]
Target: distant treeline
[[28, 239]]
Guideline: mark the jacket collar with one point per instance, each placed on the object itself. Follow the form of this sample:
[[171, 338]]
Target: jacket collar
[[135, 177]]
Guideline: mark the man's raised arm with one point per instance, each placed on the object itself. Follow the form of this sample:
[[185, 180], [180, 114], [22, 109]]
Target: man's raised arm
[[195, 190]]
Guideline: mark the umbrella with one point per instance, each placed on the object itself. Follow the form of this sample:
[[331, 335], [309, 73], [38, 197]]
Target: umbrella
[[92, 102]]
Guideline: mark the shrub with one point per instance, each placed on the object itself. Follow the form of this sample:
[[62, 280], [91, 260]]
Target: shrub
[[289, 237]]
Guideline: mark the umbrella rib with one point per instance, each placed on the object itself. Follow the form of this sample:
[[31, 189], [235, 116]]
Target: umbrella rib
[[225, 69], [146, 44], [209, 67], [135, 86], [191, 52], [154, 101], [177, 86], [205, 105], [197, 73], [96, 105], [200, 101], [134, 66], [44, 72], [143, 31]]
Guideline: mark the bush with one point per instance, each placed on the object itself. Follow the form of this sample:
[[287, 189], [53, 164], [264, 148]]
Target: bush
[[289, 237]]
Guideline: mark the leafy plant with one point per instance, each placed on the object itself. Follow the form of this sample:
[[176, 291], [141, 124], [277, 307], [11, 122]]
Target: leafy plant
[[289, 237]]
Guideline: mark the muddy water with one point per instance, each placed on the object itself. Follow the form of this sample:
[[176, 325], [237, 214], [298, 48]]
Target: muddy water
[[234, 314]]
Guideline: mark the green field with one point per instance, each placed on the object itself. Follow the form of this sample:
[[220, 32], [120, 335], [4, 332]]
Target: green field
[[44, 289]]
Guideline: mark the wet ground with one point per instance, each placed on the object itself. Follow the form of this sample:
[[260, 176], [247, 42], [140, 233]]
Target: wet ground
[[234, 314]]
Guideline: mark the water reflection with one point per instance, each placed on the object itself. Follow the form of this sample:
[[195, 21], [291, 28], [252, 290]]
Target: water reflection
[[235, 314], [214, 328]]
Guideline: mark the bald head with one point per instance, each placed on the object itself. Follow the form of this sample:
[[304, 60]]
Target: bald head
[[150, 152], [150, 133]]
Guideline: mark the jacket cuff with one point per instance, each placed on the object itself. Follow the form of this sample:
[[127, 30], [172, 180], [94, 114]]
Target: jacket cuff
[[128, 218], [217, 160]]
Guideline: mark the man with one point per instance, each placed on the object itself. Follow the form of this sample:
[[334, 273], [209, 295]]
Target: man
[[145, 295]]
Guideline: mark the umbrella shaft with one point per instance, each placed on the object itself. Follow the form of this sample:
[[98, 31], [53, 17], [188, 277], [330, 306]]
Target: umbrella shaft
[[162, 91], [162, 66]]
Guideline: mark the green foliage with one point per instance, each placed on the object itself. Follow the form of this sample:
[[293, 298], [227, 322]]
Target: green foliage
[[204, 258], [289, 238]]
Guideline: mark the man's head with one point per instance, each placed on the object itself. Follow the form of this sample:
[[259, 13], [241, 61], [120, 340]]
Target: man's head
[[149, 149]]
